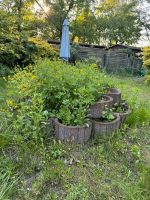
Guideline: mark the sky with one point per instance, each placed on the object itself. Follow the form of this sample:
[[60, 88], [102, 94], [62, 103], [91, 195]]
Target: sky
[[143, 5], [144, 40]]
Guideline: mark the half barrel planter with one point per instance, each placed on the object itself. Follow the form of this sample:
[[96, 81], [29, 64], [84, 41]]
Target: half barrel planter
[[106, 128], [115, 94], [95, 111], [124, 115], [76, 134]]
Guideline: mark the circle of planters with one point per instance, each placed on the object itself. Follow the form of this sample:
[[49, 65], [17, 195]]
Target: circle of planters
[[105, 117]]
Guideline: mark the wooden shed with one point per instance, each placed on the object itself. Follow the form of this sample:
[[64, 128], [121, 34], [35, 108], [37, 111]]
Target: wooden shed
[[120, 58], [92, 51], [86, 51]]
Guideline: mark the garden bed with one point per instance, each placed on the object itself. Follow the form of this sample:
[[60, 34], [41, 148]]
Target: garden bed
[[119, 163]]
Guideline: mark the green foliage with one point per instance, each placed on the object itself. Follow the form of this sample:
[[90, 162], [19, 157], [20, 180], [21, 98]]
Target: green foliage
[[136, 152], [107, 115], [121, 107], [106, 21], [51, 88], [14, 52], [50, 169], [145, 177], [41, 49], [85, 21], [4, 70], [18, 25], [77, 191], [25, 104], [146, 62], [58, 11], [113, 20], [7, 185], [69, 90]]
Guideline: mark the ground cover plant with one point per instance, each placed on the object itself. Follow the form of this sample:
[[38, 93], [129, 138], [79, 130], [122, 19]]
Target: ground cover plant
[[34, 165]]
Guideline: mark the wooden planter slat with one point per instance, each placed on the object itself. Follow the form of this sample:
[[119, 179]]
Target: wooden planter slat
[[77, 134], [95, 111], [123, 116], [106, 128], [115, 94]]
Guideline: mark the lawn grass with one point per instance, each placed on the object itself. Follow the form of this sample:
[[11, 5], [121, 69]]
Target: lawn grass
[[104, 169]]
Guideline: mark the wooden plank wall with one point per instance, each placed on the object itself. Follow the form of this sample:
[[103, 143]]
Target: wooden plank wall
[[120, 59], [113, 59]]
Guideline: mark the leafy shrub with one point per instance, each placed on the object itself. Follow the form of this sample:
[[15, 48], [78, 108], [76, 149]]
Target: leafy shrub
[[51, 88], [146, 60], [69, 90], [14, 51], [41, 48], [4, 70], [25, 104], [147, 79], [146, 57]]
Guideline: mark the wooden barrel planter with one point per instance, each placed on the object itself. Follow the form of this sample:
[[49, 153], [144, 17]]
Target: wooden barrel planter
[[106, 128], [77, 134], [95, 111], [124, 115], [115, 94]]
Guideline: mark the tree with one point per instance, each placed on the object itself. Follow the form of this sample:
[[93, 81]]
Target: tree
[[61, 9], [17, 23], [84, 27], [120, 22]]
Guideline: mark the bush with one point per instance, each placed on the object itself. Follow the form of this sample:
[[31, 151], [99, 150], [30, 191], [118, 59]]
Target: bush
[[41, 48], [12, 52], [25, 104], [16, 52], [146, 57], [69, 90], [4, 70], [146, 61], [51, 88]]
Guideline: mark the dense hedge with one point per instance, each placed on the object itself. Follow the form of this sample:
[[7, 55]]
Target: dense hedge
[[16, 52]]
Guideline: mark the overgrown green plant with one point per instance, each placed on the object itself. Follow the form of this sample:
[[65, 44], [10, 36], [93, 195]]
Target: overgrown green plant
[[41, 49], [51, 88], [69, 90], [4, 70], [15, 52], [92, 171], [146, 60], [7, 185], [121, 107], [107, 115], [77, 191], [24, 101]]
